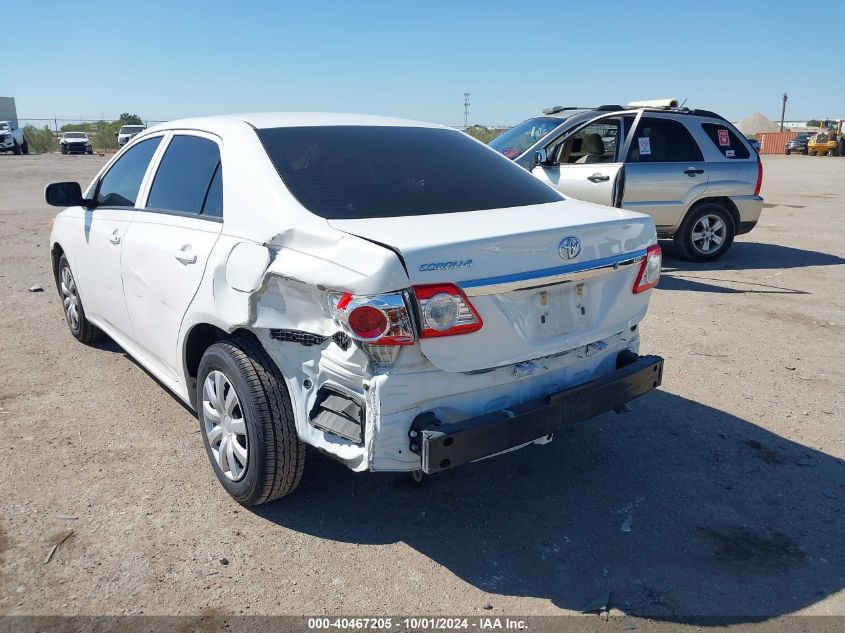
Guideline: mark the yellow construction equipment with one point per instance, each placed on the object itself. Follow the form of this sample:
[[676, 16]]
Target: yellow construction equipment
[[829, 138]]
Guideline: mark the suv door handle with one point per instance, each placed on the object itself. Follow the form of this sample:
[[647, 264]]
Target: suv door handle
[[598, 178], [692, 171], [114, 238], [185, 256]]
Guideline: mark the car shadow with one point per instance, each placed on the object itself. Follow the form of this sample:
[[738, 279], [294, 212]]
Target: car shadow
[[675, 274], [675, 510]]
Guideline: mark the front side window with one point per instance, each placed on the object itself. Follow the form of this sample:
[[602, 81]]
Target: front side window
[[663, 141], [595, 143], [351, 172], [725, 140], [516, 140], [120, 186], [184, 174]]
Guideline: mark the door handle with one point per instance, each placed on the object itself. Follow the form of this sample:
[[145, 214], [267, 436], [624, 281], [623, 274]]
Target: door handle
[[692, 171], [185, 256], [598, 178], [114, 238]]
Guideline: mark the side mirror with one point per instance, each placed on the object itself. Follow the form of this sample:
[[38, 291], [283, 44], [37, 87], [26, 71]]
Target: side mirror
[[64, 194], [540, 157]]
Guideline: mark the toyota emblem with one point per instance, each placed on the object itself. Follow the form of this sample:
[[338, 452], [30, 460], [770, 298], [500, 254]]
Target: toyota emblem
[[569, 248]]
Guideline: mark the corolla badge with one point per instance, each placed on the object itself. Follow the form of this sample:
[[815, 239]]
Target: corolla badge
[[569, 248], [457, 263]]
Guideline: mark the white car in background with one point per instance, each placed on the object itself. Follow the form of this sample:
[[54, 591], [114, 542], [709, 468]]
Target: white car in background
[[75, 143], [393, 293], [127, 132]]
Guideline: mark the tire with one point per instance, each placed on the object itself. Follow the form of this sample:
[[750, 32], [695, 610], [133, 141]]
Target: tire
[[274, 456], [64, 149], [82, 329], [804, 151], [788, 152], [16, 149], [25, 147], [691, 246], [811, 152]]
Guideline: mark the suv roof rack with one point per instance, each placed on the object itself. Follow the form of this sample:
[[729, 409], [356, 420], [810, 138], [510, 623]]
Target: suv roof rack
[[556, 109]]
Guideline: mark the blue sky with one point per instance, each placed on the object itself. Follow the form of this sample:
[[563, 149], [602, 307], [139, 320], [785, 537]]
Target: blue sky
[[165, 60]]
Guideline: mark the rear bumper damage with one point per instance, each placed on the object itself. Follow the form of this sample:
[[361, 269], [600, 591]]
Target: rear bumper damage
[[446, 446]]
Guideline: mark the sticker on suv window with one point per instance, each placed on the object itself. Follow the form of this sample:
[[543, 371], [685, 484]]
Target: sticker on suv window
[[724, 138], [645, 145], [729, 153]]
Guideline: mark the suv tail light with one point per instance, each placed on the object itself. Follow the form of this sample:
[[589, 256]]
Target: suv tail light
[[759, 177], [376, 320], [445, 311], [649, 273]]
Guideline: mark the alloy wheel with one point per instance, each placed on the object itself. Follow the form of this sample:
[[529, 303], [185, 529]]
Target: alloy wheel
[[224, 424], [708, 234]]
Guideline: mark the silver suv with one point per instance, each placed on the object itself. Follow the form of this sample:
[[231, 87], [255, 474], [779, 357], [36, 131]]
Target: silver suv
[[691, 170]]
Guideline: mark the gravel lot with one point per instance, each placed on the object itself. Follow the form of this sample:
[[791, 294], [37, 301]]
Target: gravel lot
[[731, 477]]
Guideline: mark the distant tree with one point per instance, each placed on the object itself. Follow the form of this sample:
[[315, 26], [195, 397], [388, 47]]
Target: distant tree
[[813, 123], [130, 119], [482, 133], [39, 140]]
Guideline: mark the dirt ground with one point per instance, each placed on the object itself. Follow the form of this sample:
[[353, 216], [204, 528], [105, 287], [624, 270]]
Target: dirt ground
[[730, 478]]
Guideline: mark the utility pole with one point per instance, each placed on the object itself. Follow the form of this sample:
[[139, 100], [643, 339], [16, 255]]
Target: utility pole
[[784, 96], [466, 111]]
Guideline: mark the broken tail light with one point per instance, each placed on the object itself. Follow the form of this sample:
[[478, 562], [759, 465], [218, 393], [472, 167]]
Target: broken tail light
[[375, 319], [649, 273]]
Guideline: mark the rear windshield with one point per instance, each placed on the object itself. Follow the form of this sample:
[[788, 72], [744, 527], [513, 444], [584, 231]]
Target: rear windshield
[[725, 140], [131, 129], [516, 140], [351, 172]]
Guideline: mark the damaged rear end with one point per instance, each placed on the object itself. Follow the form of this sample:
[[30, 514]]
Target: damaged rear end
[[420, 333]]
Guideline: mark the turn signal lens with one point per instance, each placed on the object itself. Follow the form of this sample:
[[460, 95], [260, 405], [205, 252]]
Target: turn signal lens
[[445, 311], [649, 273]]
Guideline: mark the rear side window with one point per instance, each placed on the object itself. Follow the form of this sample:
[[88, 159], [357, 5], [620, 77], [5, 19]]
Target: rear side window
[[120, 186], [351, 172], [185, 174], [663, 141], [725, 140]]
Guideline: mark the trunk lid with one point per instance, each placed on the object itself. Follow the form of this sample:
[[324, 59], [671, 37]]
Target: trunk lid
[[536, 295]]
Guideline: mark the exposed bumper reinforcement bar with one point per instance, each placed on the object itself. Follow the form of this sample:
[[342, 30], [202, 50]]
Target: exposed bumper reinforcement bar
[[442, 446]]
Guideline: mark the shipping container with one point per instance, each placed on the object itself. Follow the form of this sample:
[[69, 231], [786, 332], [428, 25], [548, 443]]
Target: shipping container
[[774, 142]]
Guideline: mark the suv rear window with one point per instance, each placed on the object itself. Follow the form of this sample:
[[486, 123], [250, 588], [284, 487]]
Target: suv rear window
[[725, 140], [352, 172]]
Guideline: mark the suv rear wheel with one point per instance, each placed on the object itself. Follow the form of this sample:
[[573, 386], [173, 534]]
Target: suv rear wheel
[[247, 422], [706, 233]]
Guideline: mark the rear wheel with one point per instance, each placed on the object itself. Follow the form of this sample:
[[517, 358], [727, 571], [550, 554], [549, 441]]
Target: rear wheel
[[788, 152], [16, 149], [81, 328], [247, 422], [706, 233]]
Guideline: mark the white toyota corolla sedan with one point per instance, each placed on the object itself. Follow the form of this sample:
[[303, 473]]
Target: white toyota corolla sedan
[[393, 293]]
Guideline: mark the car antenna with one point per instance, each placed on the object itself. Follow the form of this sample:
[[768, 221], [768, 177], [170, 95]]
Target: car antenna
[[682, 104]]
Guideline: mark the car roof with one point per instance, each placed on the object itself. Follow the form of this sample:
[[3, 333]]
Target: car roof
[[263, 120]]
